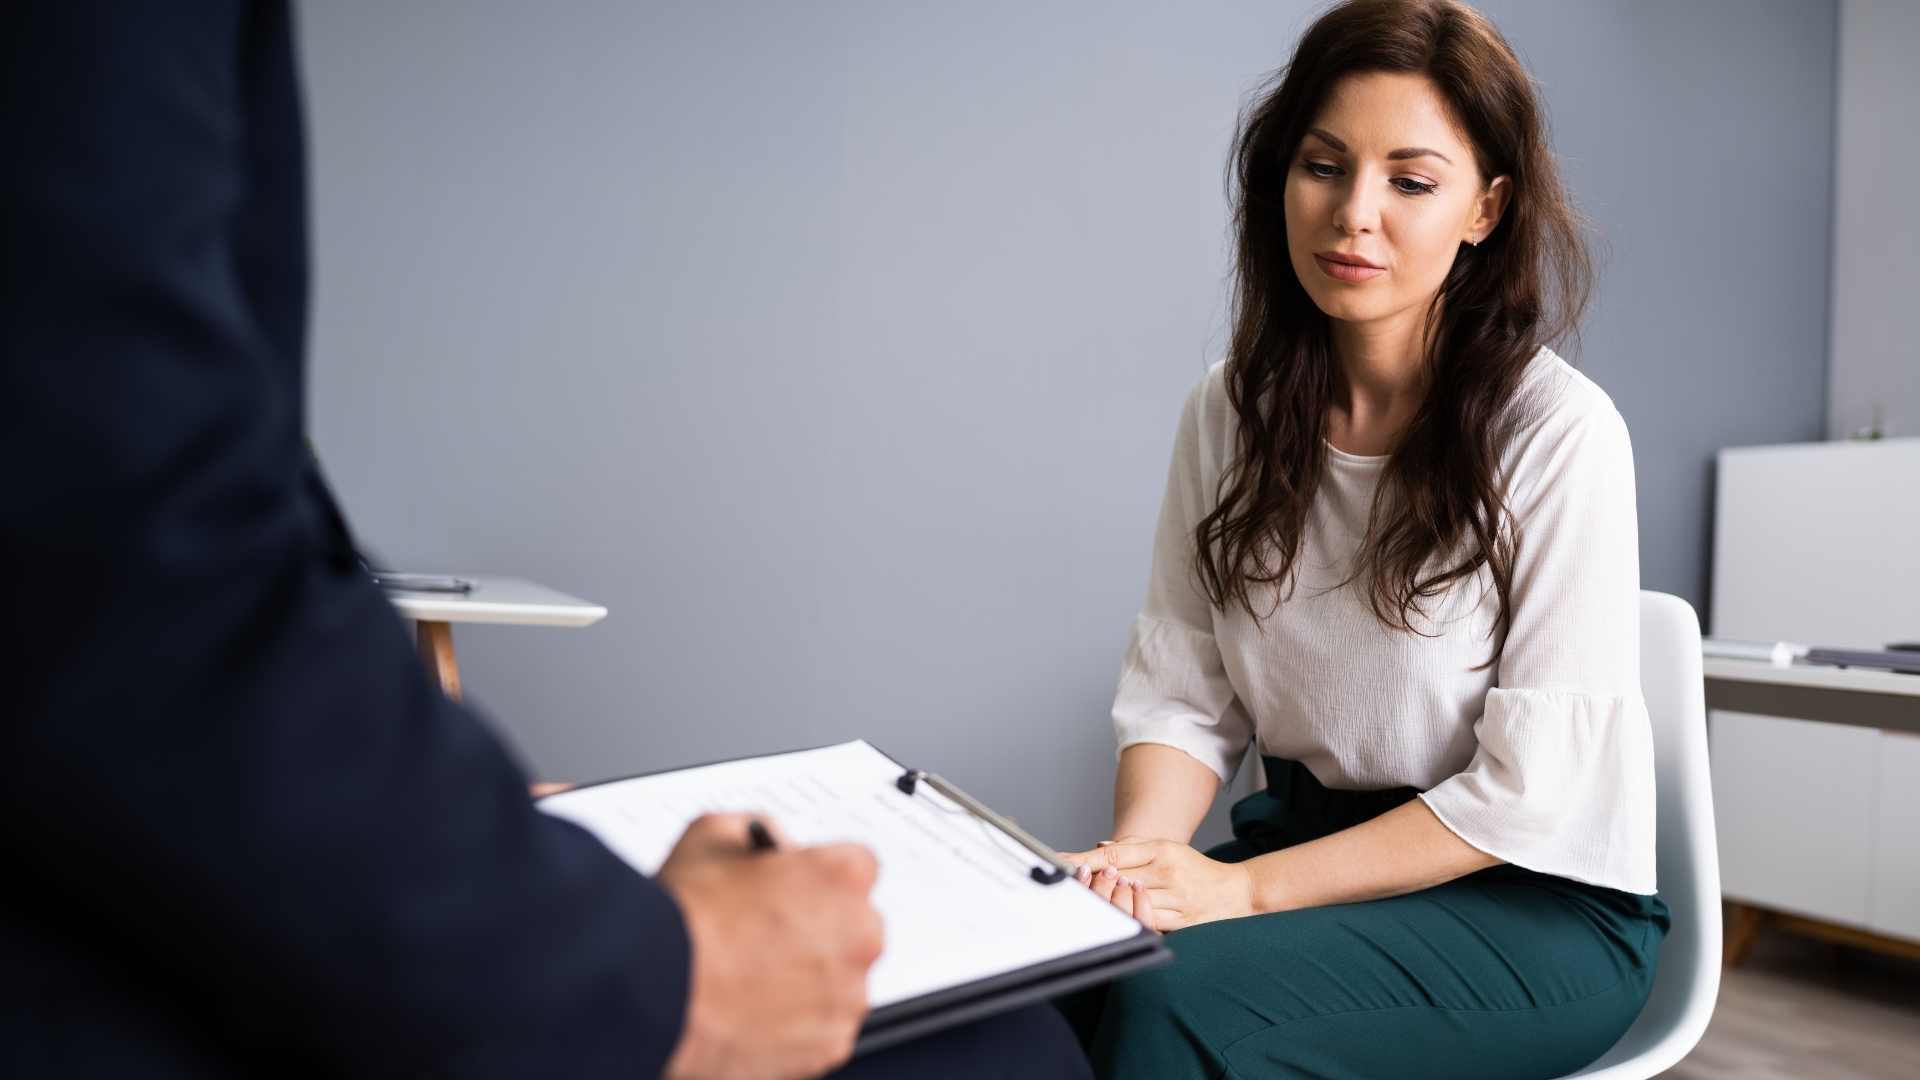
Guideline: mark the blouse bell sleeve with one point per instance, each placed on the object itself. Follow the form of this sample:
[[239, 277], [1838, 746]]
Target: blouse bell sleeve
[[1562, 778], [1173, 685]]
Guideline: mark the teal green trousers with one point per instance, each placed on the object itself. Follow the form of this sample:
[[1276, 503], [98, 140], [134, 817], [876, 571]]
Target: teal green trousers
[[1502, 973]]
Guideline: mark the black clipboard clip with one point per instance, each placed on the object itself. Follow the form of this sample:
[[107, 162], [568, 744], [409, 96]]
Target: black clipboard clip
[[1054, 872]]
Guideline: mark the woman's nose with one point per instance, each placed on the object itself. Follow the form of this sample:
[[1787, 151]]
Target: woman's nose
[[1357, 211]]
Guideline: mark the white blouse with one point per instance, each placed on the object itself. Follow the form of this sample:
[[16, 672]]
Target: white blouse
[[1544, 759]]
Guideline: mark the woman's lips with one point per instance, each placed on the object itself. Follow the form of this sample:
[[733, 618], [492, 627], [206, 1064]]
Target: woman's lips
[[1340, 271]]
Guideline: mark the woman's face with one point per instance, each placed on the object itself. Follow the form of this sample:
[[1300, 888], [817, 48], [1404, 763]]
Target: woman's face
[[1384, 178]]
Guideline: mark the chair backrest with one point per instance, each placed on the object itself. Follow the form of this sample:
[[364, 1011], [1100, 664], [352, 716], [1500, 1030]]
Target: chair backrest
[[1687, 981]]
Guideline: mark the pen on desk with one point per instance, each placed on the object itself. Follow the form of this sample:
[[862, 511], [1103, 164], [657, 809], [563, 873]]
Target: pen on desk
[[441, 583], [759, 837], [1777, 653]]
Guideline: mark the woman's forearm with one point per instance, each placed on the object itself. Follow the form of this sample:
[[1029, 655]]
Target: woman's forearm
[[1161, 792], [1403, 850]]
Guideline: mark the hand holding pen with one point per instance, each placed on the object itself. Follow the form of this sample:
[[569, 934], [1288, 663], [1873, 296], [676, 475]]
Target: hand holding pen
[[782, 937]]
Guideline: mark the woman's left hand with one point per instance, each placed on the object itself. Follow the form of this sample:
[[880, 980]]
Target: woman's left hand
[[1184, 887]]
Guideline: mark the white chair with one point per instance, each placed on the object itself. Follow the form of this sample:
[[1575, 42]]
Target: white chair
[[1687, 980]]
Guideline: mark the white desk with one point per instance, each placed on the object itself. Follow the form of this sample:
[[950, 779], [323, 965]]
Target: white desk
[[1861, 696], [1816, 771], [493, 600], [1812, 772]]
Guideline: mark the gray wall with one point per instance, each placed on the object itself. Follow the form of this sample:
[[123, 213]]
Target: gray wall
[[1876, 223], [837, 348]]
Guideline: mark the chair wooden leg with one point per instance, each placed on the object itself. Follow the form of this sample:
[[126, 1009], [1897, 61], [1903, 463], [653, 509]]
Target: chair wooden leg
[[1743, 925], [435, 641]]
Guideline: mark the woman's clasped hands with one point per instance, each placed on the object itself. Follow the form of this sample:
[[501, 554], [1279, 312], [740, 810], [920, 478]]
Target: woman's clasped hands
[[1165, 884]]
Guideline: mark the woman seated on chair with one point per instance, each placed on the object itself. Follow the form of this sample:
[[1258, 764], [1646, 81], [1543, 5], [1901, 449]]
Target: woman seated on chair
[[1398, 552]]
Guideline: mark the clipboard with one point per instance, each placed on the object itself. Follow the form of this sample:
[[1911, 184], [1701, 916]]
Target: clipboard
[[975, 998]]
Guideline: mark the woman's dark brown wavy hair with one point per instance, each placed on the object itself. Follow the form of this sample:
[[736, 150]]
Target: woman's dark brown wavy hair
[[1439, 514]]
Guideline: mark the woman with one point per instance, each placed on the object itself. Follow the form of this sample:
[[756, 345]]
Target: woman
[[1398, 549]]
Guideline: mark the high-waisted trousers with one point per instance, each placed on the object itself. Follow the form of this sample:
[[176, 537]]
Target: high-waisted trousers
[[1502, 973]]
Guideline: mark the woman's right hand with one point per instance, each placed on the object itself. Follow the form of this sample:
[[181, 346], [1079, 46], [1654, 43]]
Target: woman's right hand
[[1121, 892]]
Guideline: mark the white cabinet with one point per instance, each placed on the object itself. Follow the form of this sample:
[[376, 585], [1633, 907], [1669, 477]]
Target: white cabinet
[[1795, 803], [1894, 899], [1813, 544]]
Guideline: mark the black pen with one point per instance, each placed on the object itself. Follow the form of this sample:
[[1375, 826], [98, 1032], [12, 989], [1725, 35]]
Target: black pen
[[759, 837]]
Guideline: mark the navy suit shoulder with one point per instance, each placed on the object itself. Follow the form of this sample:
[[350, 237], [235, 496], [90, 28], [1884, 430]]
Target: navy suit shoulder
[[257, 837]]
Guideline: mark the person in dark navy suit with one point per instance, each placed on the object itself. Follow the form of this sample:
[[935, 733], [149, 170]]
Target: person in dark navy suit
[[244, 834]]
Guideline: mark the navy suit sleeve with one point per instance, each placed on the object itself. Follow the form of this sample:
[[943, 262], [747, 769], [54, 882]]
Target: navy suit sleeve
[[224, 760]]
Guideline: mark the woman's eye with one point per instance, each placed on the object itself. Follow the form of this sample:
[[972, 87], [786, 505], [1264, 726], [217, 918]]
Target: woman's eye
[[1412, 187], [1320, 169]]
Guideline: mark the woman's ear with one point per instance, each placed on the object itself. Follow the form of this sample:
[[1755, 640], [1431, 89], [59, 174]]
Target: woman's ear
[[1487, 209]]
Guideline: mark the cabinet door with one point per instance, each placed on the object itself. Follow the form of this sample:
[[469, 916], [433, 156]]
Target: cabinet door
[[1895, 907], [1794, 804]]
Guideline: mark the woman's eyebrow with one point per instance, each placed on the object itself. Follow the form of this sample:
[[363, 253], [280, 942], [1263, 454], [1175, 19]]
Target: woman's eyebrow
[[1401, 154], [1327, 138]]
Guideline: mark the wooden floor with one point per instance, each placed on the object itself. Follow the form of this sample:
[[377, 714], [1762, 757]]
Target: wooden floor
[[1800, 1008]]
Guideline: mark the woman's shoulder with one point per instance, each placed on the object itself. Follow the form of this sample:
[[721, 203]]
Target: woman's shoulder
[[1556, 408], [1209, 413], [1210, 393], [1207, 425]]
